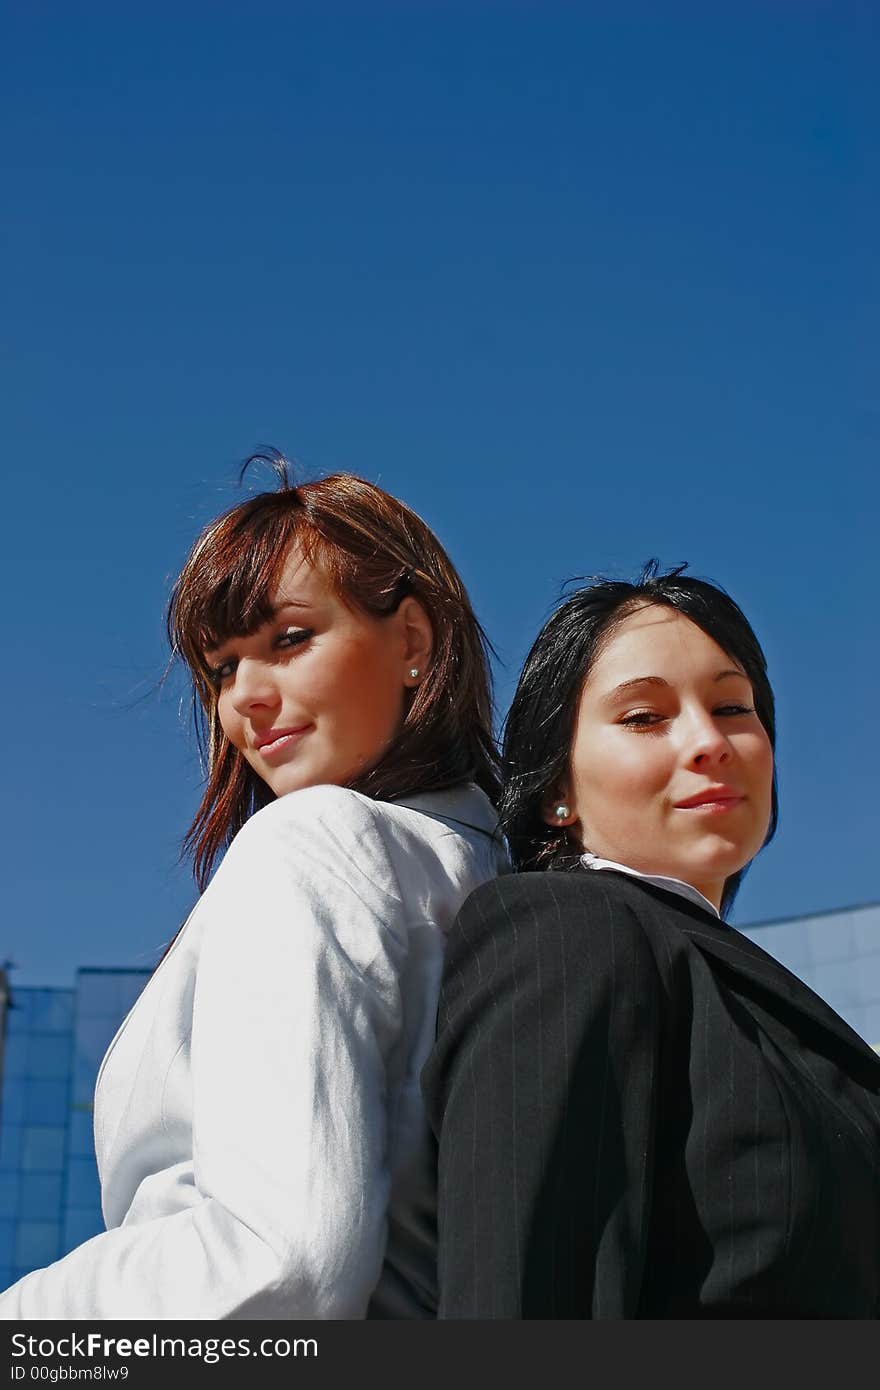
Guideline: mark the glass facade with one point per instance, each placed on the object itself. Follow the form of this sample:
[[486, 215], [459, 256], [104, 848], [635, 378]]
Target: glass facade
[[53, 1042], [37, 1063]]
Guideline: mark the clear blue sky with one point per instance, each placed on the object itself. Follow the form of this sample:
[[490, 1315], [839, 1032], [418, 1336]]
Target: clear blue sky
[[582, 283]]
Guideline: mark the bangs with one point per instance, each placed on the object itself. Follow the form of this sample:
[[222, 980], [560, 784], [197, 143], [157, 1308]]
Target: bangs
[[227, 586]]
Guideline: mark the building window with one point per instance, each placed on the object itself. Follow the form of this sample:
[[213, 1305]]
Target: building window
[[83, 1187], [42, 1148], [40, 1195], [36, 1243], [47, 1102], [48, 1057]]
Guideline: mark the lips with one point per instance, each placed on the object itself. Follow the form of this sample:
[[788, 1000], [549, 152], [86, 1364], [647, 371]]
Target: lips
[[712, 798], [274, 739]]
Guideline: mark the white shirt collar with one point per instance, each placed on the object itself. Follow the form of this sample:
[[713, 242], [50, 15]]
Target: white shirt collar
[[672, 885]]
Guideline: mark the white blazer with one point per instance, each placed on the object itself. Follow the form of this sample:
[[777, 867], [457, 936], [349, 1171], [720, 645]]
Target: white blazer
[[259, 1129]]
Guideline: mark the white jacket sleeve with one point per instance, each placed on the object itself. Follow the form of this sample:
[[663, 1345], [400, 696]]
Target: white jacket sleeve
[[297, 1011]]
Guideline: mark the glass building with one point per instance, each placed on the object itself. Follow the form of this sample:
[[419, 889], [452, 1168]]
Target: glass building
[[53, 1042], [838, 955]]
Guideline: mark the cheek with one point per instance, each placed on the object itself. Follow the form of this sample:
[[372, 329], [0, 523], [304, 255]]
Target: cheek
[[361, 692], [229, 721], [379, 709], [757, 756], [356, 719], [617, 774], [763, 765]]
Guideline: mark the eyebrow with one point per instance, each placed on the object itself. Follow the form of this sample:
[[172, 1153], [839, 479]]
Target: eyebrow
[[276, 608], [611, 696]]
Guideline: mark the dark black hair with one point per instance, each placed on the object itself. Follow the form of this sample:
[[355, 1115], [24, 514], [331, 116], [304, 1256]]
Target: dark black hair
[[539, 727]]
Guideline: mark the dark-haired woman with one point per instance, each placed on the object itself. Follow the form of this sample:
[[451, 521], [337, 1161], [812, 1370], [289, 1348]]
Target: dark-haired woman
[[640, 1113], [261, 1141]]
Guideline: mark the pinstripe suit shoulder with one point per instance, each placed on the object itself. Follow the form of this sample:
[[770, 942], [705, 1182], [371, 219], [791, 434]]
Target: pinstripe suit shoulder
[[641, 1114]]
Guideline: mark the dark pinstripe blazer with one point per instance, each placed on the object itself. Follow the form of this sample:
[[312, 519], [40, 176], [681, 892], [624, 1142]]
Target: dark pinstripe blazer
[[641, 1114]]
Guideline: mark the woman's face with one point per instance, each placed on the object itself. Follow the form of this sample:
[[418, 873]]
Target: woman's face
[[316, 694], [671, 769]]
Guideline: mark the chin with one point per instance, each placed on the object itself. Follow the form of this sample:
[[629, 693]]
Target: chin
[[297, 784], [299, 781], [283, 786], [712, 875]]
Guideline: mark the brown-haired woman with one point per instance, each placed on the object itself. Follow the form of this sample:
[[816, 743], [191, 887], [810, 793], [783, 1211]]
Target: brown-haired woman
[[260, 1135]]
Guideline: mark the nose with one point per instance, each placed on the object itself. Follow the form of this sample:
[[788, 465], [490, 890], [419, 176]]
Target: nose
[[707, 743], [254, 687]]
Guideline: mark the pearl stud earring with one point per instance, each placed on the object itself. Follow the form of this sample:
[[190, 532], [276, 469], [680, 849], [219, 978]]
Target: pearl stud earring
[[561, 812], [413, 672]]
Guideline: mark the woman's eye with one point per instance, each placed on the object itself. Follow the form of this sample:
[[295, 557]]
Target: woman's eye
[[735, 709], [294, 636], [218, 674], [642, 719]]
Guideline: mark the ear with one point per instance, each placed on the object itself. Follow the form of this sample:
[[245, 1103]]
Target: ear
[[554, 802], [418, 640]]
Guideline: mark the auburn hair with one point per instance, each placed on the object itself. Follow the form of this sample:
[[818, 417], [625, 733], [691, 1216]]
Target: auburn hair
[[372, 550]]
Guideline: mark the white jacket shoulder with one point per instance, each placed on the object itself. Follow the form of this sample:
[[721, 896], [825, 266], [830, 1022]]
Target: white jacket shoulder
[[340, 819]]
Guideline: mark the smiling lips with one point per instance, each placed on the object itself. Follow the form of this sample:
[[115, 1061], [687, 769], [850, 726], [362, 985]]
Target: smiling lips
[[277, 740], [713, 799]]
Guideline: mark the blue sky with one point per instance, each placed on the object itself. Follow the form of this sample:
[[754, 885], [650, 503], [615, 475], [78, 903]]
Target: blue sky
[[583, 284]]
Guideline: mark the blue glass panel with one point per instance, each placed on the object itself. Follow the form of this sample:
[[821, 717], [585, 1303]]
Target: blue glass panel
[[42, 1148], [49, 1056], [128, 989], [47, 1102], [81, 1134], [10, 1146], [8, 1194], [83, 1188], [7, 1240], [83, 1088], [869, 969], [12, 1109], [52, 1010], [36, 1243], [6, 1277], [19, 1009], [79, 1225], [869, 1024], [93, 1037], [97, 995], [15, 1056], [40, 1196]]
